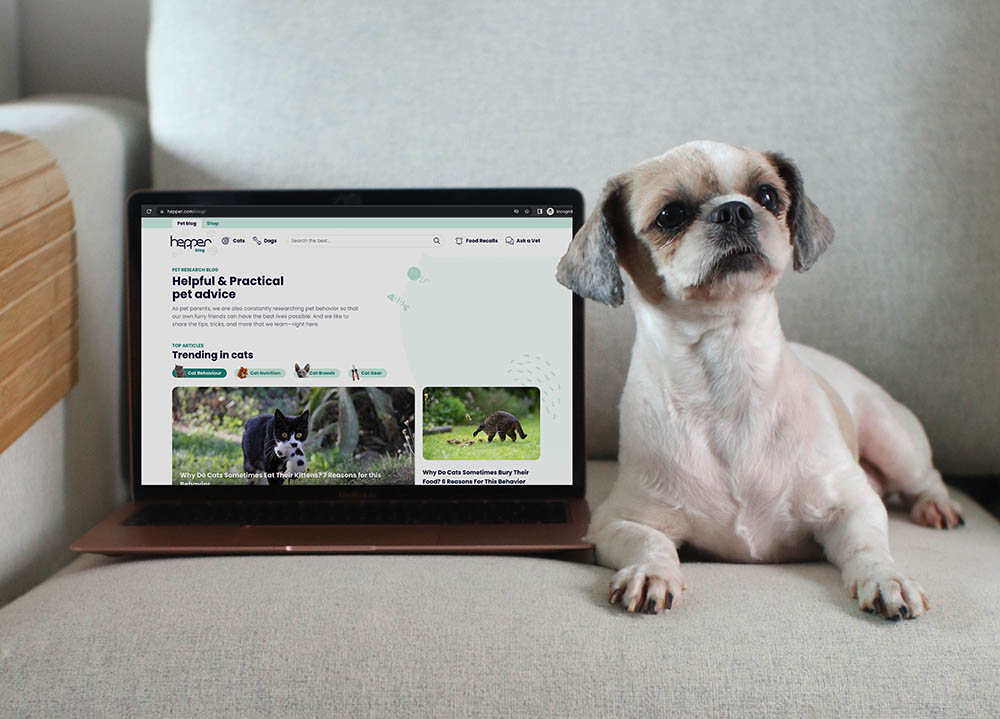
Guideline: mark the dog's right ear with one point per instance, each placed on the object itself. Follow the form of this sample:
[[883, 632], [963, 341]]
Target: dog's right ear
[[810, 229], [590, 266]]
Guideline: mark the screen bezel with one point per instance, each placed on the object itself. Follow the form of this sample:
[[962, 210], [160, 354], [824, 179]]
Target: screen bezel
[[342, 197]]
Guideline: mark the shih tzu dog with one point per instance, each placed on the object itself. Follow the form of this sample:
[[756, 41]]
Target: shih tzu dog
[[734, 441]]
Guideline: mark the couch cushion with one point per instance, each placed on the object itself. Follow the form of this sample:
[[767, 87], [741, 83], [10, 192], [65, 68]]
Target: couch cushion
[[501, 636], [889, 109], [66, 472]]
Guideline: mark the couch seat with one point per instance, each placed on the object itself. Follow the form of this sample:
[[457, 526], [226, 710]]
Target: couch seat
[[460, 636]]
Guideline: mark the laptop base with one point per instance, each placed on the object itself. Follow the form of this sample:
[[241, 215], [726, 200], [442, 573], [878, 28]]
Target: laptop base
[[113, 537]]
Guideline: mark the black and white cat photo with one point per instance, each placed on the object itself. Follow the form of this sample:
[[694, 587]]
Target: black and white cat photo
[[272, 446]]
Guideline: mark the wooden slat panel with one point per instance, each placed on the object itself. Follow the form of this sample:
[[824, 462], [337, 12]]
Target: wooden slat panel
[[22, 160], [14, 422], [10, 139], [35, 371], [36, 303], [30, 195], [39, 337], [35, 269], [30, 234], [35, 338]]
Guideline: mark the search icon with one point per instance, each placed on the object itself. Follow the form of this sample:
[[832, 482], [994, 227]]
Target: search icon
[[437, 240]]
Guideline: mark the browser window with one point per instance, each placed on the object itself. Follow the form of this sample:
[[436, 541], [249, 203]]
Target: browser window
[[284, 346]]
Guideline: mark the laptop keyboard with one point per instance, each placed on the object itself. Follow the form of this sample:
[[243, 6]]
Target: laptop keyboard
[[392, 512]]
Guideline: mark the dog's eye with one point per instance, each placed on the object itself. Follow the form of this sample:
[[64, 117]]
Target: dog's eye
[[767, 197], [672, 216]]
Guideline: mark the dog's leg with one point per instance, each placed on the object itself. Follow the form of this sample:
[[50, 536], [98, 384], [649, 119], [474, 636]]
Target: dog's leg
[[856, 539], [649, 577], [891, 438]]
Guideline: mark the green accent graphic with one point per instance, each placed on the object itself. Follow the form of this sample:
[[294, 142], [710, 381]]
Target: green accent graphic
[[413, 273], [190, 372], [532, 369], [320, 372], [265, 372]]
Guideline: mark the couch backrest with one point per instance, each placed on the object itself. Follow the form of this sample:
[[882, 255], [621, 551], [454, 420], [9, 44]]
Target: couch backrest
[[9, 47], [889, 109]]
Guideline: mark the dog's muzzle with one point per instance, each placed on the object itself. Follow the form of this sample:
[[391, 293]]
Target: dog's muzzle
[[734, 232]]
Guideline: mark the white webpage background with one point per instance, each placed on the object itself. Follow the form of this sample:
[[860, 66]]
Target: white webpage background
[[477, 314]]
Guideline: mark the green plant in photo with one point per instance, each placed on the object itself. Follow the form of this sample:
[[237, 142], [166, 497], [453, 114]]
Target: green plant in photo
[[443, 410], [207, 453]]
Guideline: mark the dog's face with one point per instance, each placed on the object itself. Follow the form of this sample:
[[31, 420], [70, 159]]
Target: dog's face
[[704, 222]]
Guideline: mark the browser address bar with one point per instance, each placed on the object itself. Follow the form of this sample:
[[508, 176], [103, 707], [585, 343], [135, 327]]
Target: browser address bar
[[359, 240]]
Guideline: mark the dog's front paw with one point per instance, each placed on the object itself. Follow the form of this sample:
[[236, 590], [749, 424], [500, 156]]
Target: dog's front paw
[[889, 593], [933, 510], [650, 587]]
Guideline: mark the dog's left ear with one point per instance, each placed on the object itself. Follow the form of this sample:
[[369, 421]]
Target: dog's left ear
[[811, 231], [590, 266]]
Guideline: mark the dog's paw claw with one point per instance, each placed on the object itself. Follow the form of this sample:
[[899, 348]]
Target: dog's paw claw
[[938, 512], [650, 587], [890, 594]]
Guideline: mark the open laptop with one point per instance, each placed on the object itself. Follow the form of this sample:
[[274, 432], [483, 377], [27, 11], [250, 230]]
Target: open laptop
[[347, 371]]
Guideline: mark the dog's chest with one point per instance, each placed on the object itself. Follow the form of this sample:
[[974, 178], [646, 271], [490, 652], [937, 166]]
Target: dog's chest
[[736, 476], [743, 506]]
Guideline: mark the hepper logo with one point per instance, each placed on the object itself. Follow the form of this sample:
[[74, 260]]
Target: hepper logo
[[190, 243]]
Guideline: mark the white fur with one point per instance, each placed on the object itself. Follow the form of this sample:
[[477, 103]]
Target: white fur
[[729, 443], [283, 449]]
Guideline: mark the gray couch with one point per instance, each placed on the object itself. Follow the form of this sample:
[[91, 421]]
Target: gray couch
[[889, 110]]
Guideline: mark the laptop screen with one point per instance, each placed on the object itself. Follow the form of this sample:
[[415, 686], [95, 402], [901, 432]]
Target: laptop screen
[[391, 345]]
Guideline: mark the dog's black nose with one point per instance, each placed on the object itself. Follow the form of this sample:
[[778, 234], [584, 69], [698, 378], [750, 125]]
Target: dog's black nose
[[736, 214]]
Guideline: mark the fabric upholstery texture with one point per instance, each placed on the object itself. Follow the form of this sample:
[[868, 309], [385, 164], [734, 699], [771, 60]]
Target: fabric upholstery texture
[[889, 109], [67, 471], [462, 636], [9, 46]]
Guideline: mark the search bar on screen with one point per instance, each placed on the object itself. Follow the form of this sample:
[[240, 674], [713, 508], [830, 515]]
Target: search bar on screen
[[364, 241]]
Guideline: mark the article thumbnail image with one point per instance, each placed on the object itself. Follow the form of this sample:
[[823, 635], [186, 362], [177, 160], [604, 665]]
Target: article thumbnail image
[[481, 423], [293, 435]]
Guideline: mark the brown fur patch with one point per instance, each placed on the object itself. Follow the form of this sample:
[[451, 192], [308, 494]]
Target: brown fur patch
[[656, 183], [844, 420], [636, 258], [633, 254]]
